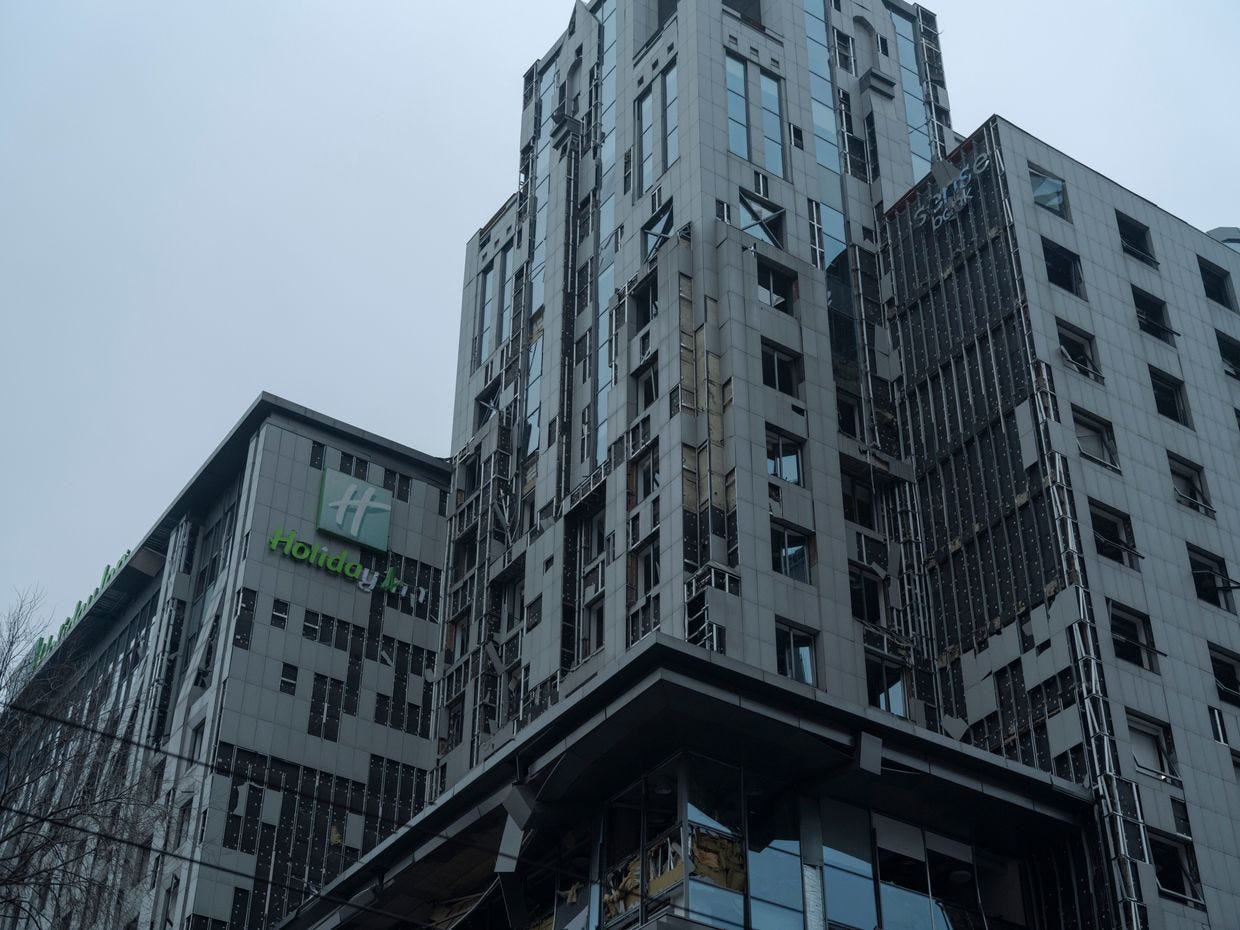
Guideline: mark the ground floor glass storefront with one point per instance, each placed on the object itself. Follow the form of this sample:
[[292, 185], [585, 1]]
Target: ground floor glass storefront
[[706, 841]]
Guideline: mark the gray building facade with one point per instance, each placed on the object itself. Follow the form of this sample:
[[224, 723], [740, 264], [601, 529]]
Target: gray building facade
[[267, 649], [781, 592], [1069, 355]]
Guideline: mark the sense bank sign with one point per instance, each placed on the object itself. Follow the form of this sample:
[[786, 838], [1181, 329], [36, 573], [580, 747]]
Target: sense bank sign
[[956, 190]]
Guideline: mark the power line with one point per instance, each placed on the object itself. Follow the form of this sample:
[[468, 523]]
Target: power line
[[202, 863], [232, 770]]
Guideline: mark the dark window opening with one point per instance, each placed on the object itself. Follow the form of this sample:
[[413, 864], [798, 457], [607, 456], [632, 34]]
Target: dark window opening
[[1217, 284], [1169, 397], [1063, 268], [1152, 316], [1113, 535], [1134, 236], [794, 650], [791, 552], [781, 370], [1189, 483], [1079, 349], [1226, 666], [1132, 637], [1210, 579], [1229, 351], [1175, 867]]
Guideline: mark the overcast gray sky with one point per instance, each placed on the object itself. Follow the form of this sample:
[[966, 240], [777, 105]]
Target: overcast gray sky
[[200, 201]]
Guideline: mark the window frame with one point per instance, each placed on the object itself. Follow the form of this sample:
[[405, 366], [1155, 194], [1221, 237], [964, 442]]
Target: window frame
[[782, 360], [786, 537], [787, 651], [885, 663], [1103, 429], [1216, 283], [1036, 173], [783, 443], [1228, 685], [1088, 364], [1152, 316], [1181, 848], [1203, 562], [1052, 251], [1159, 732], [1135, 239], [1124, 543], [1229, 353], [1163, 381], [776, 287], [762, 219], [1143, 643], [1193, 475]]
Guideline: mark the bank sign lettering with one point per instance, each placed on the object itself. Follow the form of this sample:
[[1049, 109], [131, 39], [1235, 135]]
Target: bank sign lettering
[[356, 510], [949, 202]]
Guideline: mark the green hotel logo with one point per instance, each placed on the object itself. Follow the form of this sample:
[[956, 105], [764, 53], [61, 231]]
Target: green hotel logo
[[339, 564], [355, 510], [46, 645]]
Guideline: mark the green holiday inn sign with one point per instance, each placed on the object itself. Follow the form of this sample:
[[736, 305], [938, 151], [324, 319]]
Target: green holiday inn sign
[[339, 564], [351, 509]]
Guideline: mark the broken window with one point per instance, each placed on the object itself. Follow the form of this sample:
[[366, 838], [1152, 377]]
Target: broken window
[[288, 679], [1229, 351], [1063, 268], [794, 653], [279, 614], [1113, 537], [1049, 192], [1175, 867], [1189, 483], [1152, 747], [1210, 578], [645, 302], [1078, 347], [858, 499], [1132, 637], [866, 594], [1226, 666], [790, 552], [844, 54], [761, 219], [1095, 438], [656, 231], [776, 288], [1169, 397], [886, 684], [1217, 283], [1152, 316], [783, 456], [1134, 236], [781, 370]]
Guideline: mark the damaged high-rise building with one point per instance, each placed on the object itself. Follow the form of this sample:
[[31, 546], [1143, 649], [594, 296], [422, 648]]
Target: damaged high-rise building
[[840, 526], [837, 536]]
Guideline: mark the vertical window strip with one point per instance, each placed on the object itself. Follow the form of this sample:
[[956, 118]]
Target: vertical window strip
[[738, 107]]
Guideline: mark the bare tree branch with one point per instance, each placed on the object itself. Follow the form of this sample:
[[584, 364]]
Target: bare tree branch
[[74, 800]]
